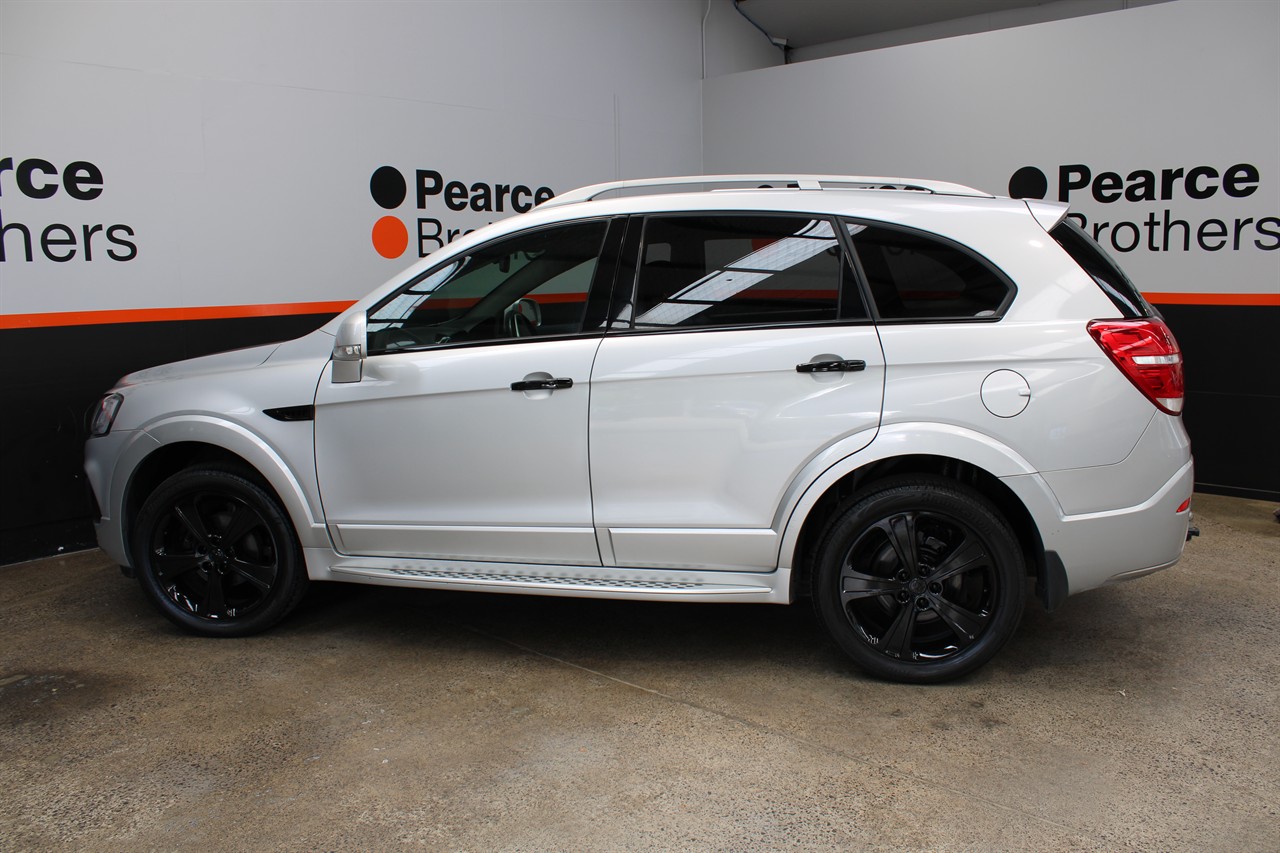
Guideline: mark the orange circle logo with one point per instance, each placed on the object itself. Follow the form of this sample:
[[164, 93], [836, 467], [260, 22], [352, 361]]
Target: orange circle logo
[[390, 237]]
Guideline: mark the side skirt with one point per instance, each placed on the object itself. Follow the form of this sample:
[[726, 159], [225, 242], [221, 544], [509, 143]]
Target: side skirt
[[533, 579]]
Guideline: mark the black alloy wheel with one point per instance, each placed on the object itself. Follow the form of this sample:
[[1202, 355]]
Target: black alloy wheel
[[217, 554], [919, 580]]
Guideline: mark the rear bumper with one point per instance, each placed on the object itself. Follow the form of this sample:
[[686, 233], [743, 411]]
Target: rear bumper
[[1115, 545]]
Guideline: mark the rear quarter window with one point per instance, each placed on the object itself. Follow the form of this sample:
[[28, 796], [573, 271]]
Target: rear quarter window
[[1105, 272], [914, 276]]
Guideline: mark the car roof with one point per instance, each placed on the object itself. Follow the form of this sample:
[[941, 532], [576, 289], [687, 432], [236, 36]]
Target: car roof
[[848, 195], [802, 182]]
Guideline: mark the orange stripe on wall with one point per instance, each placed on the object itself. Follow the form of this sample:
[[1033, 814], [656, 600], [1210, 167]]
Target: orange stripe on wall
[[285, 309], [160, 315], [1213, 298]]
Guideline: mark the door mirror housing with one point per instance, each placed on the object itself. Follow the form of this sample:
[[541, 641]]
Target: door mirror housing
[[348, 349]]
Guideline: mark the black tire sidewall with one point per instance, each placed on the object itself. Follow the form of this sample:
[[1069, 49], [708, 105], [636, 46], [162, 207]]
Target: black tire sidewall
[[934, 495], [291, 577]]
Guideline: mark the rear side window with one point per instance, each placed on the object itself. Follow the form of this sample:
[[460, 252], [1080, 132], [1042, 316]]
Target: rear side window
[[914, 276], [739, 270], [1102, 269]]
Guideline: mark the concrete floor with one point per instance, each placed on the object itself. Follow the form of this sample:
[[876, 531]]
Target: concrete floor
[[1138, 717]]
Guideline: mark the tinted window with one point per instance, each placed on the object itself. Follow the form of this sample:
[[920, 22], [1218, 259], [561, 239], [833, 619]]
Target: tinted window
[[737, 270], [1102, 269], [529, 285], [916, 277]]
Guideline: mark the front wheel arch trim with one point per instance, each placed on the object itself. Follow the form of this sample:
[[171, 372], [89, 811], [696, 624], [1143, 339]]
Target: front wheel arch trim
[[235, 443]]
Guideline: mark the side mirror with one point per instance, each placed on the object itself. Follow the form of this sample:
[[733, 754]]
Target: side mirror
[[348, 349]]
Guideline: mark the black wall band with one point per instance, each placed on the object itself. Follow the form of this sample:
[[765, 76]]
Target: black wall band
[[51, 376]]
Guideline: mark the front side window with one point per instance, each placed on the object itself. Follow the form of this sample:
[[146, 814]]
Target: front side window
[[698, 271], [914, 276], [531, 285]]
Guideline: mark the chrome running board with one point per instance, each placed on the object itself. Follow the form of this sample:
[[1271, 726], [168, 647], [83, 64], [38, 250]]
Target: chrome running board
[[577, 581]]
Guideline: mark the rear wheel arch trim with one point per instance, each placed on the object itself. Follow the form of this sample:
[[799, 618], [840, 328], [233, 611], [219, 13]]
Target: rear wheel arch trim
[[941, 441]]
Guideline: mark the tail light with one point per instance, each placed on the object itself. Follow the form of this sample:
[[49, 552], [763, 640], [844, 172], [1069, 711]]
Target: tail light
[[1146, 352]]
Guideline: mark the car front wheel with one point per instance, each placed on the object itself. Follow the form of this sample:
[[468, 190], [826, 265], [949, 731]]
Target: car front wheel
[[217, 554], [919, 580]]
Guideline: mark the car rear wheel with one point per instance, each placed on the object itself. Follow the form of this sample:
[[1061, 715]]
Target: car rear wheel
[[217, 554], [919, 580]]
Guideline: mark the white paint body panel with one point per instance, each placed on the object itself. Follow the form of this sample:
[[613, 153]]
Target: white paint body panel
[[217, 400], [1112, 545], [679, 465], [706, 431], [938, 377], [433, 455]]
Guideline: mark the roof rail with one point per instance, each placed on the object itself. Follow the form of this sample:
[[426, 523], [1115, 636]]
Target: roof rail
[[804, 182]]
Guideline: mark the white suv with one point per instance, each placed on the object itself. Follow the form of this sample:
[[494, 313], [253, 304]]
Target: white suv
[[905, 399]]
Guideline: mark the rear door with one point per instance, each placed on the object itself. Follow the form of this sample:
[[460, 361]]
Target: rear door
[[743, 352]]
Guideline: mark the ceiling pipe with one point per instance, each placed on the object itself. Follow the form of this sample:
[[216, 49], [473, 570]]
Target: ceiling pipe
[[779, 43]]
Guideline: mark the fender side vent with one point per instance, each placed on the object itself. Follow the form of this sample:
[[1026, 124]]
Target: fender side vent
[[292, 413]]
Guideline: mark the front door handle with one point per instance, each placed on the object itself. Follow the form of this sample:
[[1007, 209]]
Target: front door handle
[[842, 366], [541, 384]]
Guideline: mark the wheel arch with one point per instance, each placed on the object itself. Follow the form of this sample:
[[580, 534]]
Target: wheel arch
[[842, 484], [187, 444]]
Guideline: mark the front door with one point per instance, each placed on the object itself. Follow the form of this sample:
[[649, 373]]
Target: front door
[[466, 437]]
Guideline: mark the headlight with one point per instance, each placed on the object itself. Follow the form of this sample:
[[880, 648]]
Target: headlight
[[105, 416]]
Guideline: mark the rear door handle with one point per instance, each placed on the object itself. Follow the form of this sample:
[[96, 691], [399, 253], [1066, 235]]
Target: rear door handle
[[843, 366], [541, 384]]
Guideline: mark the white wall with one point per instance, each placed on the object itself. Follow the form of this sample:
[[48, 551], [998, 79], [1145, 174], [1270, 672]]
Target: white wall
[[1174, 85], [236, 141]]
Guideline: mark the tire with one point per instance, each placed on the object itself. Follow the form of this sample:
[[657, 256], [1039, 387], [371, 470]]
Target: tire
[[920, 580], [217, 554]]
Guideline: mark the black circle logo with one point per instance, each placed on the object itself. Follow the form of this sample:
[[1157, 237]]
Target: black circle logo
[[1028, 182], [387, 187]]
